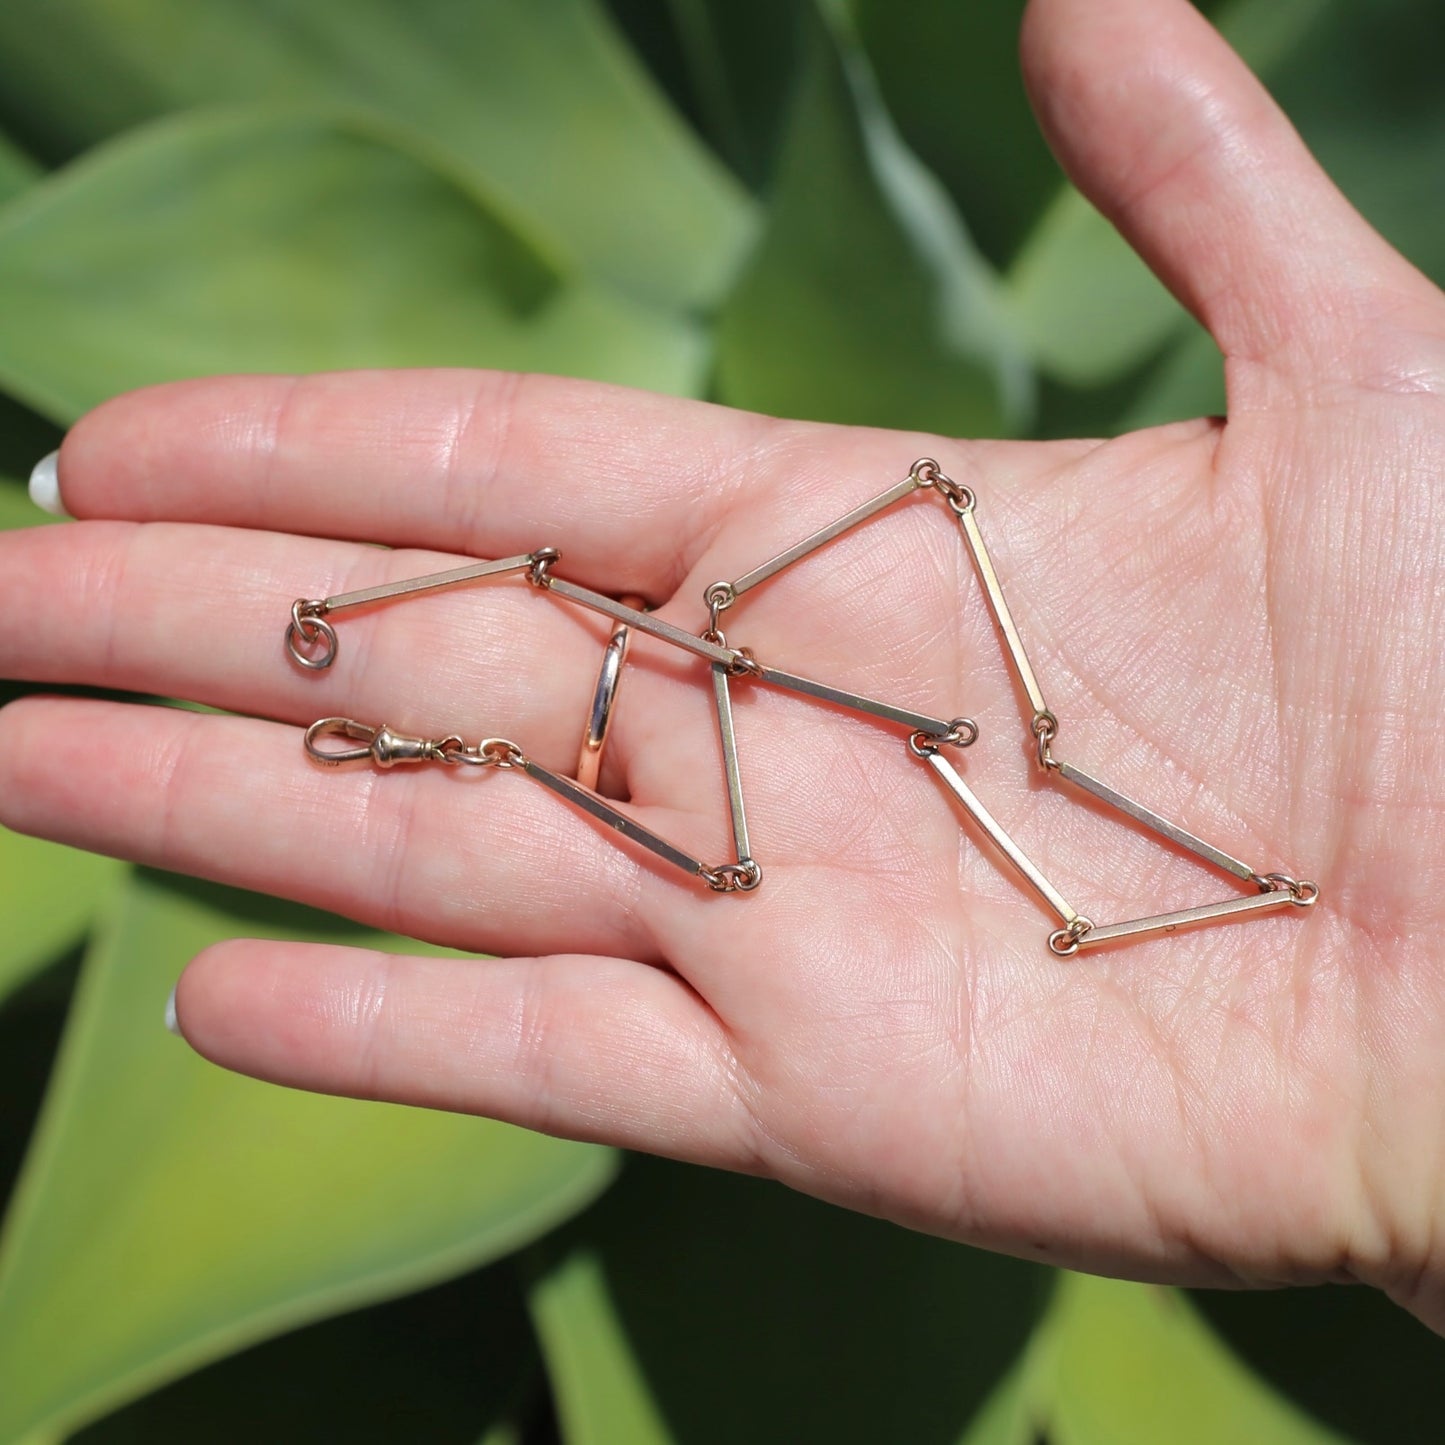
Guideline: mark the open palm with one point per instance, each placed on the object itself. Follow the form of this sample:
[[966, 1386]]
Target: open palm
[[1234, 622]]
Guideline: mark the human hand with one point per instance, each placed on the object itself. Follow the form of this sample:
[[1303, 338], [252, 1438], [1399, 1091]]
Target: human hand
[[1233, 621]]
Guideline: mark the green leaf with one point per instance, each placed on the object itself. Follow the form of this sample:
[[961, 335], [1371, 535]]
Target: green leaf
[[975, 129], [434, 1366], [1187, 381], [539, 105], [731, 1309], [48, 897], [1007, 1416], [504, 1432], [1127, 1364], [17, 170], [735, 63], [252, 242], [600, 1392], [17, 510], [1087, 308], [1347, 1354], [865, 301], [1364, 89], [170, 1212], [24, 439]]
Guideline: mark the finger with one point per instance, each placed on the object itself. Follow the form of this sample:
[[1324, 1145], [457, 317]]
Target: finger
[[201, 613], [479, 859], [486, 463], [630, 486], [1164, 128], [585, 1047]]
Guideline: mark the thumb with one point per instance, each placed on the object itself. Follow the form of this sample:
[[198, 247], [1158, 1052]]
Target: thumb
[[1165, 129]]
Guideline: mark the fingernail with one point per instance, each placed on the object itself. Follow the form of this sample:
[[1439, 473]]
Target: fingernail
[[173, 1023], [45, 486]]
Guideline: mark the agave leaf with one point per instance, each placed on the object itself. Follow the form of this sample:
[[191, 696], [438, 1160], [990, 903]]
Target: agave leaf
[[1087, 308], [950, 76], [24, 439], [1349, 1355], [17, 510], [255, 242], [48, 897], [1007, 1416], [170, 1213], [865, 300], [731, 66], [504, 1432], [1364, 88], [17, 170], [251, 241], [600, 1391], [1127, 1364], [729, 1309], [1187, 381], [540, 106], [437, 1365]]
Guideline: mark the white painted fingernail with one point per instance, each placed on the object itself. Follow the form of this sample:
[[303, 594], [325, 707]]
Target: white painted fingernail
[[45, 486], [173, 1023]]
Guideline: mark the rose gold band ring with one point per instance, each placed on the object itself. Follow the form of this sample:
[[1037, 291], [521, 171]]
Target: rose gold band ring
[[599, 718]]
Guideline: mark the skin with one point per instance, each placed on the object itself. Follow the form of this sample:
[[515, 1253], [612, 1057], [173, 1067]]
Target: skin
[[1234, 621]]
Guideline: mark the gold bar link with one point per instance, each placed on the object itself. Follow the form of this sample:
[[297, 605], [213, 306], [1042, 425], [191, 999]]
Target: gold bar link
[[604, 812], [824, 535], [642, 621], [722, 696], [1006, 845], [1184, 918], [1152, 820], [855, 702], [429, 583], [1001, 614]]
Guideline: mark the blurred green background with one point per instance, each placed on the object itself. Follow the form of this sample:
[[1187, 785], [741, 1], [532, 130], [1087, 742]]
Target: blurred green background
[[828, 210]]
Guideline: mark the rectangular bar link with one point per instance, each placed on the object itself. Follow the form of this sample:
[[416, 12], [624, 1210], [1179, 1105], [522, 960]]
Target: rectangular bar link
[[1006, 845], [604, 812], [642, 621], [1150, 819], [722, 696], [1184, 918], [916, 721], [796, 553], [999, 607], [426, 584]]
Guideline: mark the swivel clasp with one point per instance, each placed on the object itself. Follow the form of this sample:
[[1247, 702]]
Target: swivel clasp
[[379, 745]]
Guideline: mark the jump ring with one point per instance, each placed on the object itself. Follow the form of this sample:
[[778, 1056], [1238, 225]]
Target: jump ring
[[962, 732], [744, 664], [539, 570], [306, 627], [740, 877], [1275, 882], [1045, 728], [719, 596], [499, 753], [960, 498], [1064, 942], [922, 744], [1302, 891]]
